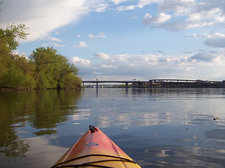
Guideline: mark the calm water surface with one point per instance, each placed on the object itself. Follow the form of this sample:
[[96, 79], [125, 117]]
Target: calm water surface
[[156, 127]]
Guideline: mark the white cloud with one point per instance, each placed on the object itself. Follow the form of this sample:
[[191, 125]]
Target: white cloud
[[56, 44], [143, 3], [147, 19], [124, 8], [80, 62], [120, 58], [140, 4], [41, 17], [54, 39], [96, 5], [159, 19], [102, 55], [101, 8], [216, 40], [205, 18], [203, 57], [118, 1], [81, 44], [181, 7], [216, 35], [203, 65], [108, 66], [99, 35], [185, 14]]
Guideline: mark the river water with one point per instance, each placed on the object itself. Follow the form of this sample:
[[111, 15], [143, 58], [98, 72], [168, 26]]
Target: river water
[[156, 127]]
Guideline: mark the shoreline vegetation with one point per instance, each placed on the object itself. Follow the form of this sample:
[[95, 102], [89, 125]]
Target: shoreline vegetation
[[45, 68]]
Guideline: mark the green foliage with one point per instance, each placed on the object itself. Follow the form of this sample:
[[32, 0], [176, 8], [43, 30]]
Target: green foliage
[[12, 78], [41, 109], [72, 81], [12, 66], [53, 70], [16, 78], [10, 35], [44, 69]]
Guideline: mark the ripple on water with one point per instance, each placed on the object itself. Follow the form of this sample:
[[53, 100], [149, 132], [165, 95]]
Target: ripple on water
[[176, 156], [217, 134]]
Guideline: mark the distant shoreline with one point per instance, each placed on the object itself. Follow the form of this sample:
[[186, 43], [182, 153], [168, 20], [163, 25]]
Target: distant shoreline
[[8, 89]]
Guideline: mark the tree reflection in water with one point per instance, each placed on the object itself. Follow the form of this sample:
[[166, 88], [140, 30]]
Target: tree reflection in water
[[12, 147], [38, 109]]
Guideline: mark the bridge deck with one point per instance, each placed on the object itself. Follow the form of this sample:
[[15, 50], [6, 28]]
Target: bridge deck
[[164, 83], [97, 81]]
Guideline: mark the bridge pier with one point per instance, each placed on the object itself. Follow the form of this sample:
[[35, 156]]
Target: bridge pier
[[126, 85], [139, 85]]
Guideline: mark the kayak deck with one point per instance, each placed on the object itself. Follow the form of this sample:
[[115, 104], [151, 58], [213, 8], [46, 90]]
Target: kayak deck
[[95, 149]]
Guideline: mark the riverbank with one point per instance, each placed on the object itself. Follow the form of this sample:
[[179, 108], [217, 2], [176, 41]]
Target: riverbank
[[8, 89]]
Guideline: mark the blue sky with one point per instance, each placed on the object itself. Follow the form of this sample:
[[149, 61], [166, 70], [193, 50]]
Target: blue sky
[[127, 39]]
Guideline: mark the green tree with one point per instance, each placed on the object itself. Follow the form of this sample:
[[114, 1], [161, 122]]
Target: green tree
[[44, 69], [15, 71], [10, 35], [52, 70], [63, 69], [72, 81], [44, 60]]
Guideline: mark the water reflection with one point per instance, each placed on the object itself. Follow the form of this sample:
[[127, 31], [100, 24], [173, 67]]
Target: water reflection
[[216, 134], [46, 132], [182, 157], [156, 127], [11, 147], [149, 107], [42, 110]]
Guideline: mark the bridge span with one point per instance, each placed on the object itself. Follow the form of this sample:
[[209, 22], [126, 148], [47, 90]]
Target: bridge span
[[163, 83], [126, 82]]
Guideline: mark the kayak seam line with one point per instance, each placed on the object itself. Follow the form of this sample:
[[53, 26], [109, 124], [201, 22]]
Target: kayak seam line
[[121, 159], [77, 166], [91, 163]]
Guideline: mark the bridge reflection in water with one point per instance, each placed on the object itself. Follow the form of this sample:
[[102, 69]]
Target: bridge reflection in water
[[162, 83]]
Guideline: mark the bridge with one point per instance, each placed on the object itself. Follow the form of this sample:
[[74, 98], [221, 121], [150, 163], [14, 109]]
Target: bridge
[[133, 82], [164, 83]]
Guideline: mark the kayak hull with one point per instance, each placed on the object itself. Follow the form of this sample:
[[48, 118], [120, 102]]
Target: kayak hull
[[95, 149]]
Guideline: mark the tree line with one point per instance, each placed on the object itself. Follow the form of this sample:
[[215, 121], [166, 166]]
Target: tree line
[[44, 69]]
